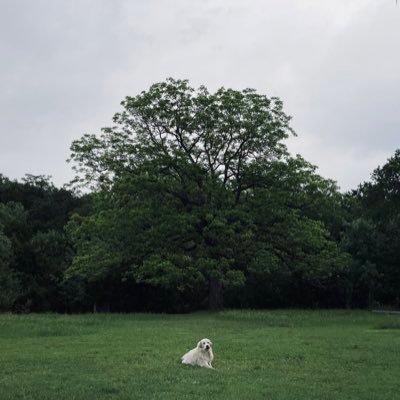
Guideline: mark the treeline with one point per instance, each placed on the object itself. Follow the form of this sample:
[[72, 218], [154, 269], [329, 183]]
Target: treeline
[[34, 249], [196, 203]]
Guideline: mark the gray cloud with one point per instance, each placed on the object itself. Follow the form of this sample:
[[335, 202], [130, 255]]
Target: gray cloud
[[66, 65]]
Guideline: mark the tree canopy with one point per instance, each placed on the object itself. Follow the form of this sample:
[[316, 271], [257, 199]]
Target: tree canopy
[[184, 177]]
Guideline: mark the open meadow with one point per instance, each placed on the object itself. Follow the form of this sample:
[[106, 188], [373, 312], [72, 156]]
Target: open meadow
[[283, 354]]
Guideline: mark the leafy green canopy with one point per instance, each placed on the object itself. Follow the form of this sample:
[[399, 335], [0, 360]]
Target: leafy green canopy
[[230, 134], [182, 180]]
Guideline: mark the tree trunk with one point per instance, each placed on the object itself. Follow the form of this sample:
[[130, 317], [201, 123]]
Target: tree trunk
[[215, 294]]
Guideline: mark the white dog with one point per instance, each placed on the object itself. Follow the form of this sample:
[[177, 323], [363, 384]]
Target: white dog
[[201, 356]]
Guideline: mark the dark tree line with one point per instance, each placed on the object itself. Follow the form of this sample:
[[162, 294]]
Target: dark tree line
[[196, 203], [34, 249]]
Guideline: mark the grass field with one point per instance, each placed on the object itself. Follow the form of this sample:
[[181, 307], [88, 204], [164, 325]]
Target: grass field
[[258, 355]]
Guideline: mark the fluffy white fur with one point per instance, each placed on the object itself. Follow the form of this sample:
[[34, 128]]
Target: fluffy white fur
[[200, 356]]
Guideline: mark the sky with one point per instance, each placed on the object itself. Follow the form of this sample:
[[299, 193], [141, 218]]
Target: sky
[[65, 66]]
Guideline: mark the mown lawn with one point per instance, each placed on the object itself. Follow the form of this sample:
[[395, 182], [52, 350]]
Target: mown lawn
[[258, 355]]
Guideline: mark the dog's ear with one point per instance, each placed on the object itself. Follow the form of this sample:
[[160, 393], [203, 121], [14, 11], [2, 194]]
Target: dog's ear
[[211, 343], [199, 345]]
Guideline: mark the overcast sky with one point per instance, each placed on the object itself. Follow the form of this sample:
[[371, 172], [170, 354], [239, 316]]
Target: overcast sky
[[65, 66]]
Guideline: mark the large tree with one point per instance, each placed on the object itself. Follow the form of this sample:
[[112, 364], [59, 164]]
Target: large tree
[[178, 178]]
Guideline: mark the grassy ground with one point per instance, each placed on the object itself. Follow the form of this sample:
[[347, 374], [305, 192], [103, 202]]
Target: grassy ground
[[258, 355]]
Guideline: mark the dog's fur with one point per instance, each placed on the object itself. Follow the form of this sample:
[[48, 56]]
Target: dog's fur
[[200, 356]]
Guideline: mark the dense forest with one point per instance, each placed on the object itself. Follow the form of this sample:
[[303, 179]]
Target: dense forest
[[189, 201]]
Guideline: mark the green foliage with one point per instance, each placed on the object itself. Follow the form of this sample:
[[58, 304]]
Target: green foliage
[[193, 188], [12, 223], [195, 202], [9, 283], [374, 237], [10, 288], [5, 249], [153, 238], [95, 245], [171, 272], [32, 217], [231, 135]]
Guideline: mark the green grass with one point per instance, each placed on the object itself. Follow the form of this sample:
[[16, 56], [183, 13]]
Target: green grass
[[258, 355]]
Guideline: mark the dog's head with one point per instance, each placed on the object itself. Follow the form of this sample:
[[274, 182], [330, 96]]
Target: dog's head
[[204, 344]]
